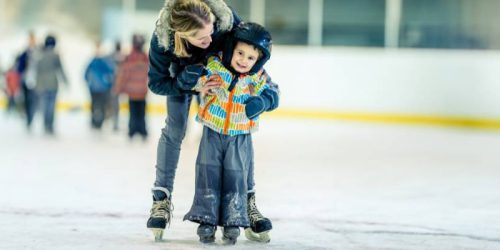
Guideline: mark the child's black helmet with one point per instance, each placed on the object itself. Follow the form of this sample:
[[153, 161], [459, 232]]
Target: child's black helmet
[[50, 41], [254, 34]]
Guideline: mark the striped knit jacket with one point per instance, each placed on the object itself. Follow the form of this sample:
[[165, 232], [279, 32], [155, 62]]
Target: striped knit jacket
[[224, 112]]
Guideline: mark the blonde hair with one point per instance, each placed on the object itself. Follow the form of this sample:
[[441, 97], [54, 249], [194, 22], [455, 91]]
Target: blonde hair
[[187, 17]]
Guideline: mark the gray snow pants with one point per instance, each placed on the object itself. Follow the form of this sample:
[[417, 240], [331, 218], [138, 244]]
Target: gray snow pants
[[169, 145], [221, 180]]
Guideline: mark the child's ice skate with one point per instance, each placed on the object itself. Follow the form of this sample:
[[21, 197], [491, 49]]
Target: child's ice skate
[[206, 233], [259, 225], [230, 235], [161, 214]]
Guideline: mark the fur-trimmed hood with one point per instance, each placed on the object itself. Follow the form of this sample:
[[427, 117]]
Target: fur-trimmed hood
[[223, 15]]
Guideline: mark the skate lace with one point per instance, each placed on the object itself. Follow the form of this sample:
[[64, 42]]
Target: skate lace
[[253, 212], [162, 209]]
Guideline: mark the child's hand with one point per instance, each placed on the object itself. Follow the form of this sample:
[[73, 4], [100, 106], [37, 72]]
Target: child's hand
[[208, 87], [213, 82]]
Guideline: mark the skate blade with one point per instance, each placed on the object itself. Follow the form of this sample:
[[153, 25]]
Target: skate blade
[[259, 237], [208, 241], [158, 233], [228, 241]]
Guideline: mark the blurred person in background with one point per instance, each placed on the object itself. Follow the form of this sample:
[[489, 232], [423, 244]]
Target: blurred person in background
[[49, 74], [132, 79], [99, 76], [117, 58], [26, 67], [2, 78], [186, 31], [12, 86]]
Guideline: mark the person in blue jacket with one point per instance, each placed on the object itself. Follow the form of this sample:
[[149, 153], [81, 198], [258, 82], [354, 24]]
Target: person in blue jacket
[[186, 32], [26, 66], [99, 75]]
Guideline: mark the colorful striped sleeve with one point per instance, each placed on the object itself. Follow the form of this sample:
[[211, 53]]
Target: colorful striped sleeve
[[204, 78], [259, 82]]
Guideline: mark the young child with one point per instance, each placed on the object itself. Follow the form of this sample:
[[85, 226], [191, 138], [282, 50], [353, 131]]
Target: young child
[[226, 149]]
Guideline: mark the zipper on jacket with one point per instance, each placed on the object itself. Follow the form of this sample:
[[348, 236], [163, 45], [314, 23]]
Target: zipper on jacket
[[230, 103], [229, 111]]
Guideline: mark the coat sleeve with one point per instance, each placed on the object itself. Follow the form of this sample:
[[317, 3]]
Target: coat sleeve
[[236, 17], [60, 70], [121, 77], [22, 62], [161, 81], [203, 79], [272, 93], [88, 74]]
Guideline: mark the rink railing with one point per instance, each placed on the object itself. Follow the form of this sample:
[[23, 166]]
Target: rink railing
[[483, 123]]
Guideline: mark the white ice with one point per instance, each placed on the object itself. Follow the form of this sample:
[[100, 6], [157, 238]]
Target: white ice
[[324, 184]]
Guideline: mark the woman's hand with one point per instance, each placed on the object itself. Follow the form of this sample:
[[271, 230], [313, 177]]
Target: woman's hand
[[212, 83], [188, 77]]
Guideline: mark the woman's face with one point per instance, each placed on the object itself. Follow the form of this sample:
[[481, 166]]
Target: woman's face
[[203, 37]]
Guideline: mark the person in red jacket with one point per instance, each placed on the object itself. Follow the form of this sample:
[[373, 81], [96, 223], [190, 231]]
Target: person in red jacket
[[132, 79], [12, 84]]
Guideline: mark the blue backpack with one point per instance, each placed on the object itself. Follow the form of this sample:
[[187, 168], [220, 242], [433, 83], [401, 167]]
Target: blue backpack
[[100, 74]]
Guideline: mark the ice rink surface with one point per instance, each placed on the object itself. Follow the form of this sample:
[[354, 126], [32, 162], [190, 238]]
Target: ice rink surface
[[324, 184]]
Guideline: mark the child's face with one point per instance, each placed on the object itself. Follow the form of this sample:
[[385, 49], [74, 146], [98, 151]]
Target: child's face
[[244, 57]]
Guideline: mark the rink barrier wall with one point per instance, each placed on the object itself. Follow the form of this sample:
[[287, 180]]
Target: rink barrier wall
[[447, 88], [482, 123]]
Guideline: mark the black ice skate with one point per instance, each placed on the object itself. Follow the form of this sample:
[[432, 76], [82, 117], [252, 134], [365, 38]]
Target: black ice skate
[[230, 235], [161, 214], [206, 233], [259, 225]]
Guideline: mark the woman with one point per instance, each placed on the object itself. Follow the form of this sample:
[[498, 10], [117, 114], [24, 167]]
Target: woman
[[49, 74], [187, 30]]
